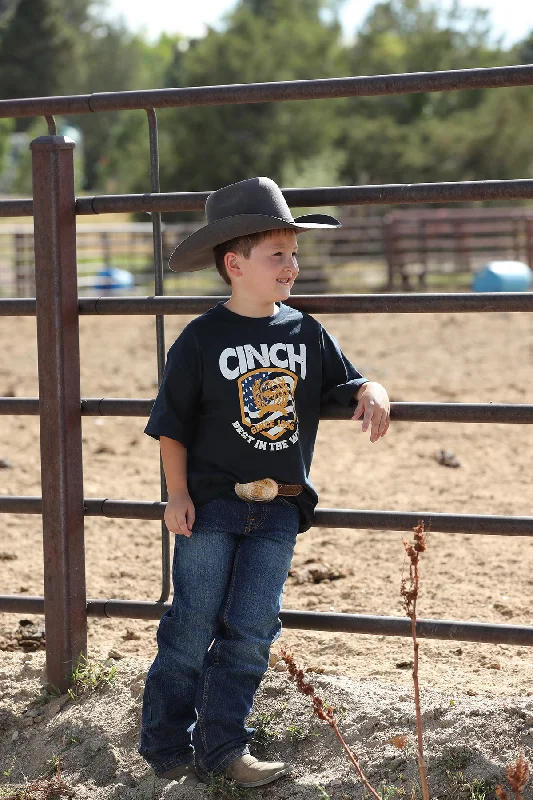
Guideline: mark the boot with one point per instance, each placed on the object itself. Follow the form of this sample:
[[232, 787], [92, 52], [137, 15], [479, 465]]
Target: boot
[[248, 771]]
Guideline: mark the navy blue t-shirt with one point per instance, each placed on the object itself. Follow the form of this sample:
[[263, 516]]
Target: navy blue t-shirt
[[243, 395]]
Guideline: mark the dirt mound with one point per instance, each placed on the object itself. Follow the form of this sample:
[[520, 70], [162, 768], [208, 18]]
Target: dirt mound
[[469, 740]]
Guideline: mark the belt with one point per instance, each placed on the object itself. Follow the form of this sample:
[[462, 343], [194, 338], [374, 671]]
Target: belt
[[266, 489]]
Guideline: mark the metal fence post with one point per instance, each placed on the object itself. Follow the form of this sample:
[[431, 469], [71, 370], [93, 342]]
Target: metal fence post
[[59, 405]]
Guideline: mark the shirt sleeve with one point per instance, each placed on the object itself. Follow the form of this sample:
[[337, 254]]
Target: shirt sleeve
[[340, 379], [176, 405]]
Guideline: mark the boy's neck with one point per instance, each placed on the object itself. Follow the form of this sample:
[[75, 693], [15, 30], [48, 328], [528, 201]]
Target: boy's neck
[[251, 307]]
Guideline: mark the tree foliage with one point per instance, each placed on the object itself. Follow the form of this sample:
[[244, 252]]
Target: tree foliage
[[63, 46], [271, 41], [35, 49]]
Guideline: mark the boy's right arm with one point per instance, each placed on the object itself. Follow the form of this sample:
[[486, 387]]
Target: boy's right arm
[[179, 513]]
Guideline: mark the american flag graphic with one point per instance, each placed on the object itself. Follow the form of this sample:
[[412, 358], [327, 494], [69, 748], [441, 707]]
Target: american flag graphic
[[267, 400]]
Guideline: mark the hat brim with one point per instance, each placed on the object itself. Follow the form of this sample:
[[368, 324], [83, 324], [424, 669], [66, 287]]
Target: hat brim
[[196, 251]]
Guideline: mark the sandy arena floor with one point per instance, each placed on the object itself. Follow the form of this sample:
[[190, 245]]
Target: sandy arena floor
[[469, 357]]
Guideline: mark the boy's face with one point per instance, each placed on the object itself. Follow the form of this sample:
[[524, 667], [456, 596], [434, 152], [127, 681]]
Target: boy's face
[[270, 271]]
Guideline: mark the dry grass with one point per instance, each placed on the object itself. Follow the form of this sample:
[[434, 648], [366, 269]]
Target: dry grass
[[409, 591], [326, 714], [517, 773], [517, 776], [45, 788]]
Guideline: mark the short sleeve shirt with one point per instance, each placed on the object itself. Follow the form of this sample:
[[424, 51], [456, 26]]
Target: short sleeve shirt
[[243, 395]]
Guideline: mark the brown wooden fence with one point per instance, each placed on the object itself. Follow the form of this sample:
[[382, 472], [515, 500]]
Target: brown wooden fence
[[399, 250], [453, 242]]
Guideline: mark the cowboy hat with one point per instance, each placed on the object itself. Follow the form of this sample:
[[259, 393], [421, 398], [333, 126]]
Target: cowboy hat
[[250, 206]]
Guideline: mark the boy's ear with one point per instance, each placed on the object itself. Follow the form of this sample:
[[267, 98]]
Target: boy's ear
[[231, 262]]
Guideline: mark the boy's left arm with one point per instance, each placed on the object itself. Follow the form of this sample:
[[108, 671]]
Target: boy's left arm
[[373, 403]]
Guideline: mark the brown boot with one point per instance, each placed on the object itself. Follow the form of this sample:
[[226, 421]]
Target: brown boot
[[248, 771]]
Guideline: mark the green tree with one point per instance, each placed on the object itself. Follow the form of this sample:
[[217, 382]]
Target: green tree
[[37, 48], [268, 41], [421, 136], [116, 148]]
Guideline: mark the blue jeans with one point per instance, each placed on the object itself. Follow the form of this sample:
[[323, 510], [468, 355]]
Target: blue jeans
[[214, 642]]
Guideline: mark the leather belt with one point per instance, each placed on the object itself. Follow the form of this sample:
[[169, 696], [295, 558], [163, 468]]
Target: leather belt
[[266, 489]]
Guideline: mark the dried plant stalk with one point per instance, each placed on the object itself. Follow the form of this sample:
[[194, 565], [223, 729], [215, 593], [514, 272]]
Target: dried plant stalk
[[43, 789], [409, 592], [517, 775], [324, 713]]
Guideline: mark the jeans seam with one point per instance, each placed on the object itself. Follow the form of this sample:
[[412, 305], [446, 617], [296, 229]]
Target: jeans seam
[[250, 520], [206, 690], [264, 511], [229, 596]]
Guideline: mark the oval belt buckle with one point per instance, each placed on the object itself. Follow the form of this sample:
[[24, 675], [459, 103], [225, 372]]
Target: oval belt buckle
[[259, 491]]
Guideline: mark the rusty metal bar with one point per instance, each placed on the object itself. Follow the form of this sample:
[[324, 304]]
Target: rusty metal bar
[[160, 336], [17, 307], [27, 406], [52, 128], [158, 245], [445, 412], [407, 412], [59, 392], [12, 504], [487, 524], [447, 192], [16, 208], [424, 303], [365, 86], [445, 302], [348, 518], [309, 620], [21, 604], [398, 626], [135, 407]]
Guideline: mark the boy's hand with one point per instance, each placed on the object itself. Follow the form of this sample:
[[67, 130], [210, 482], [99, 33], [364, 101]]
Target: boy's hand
[[373, 402], [179, 513]]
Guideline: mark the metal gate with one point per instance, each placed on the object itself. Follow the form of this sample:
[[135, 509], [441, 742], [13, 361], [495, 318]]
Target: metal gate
[[57, 308]]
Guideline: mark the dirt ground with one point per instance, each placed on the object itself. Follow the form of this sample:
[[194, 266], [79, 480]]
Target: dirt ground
[[468, 740], [425, 357]]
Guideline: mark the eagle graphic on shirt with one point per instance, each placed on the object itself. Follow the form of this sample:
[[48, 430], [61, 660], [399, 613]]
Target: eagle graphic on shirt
[[267, 401]]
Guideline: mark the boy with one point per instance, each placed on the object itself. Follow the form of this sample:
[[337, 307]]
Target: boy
[[237, 415]]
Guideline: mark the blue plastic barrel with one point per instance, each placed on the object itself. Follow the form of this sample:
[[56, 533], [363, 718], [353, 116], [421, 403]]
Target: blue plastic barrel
[[113, 278], [503, 276]]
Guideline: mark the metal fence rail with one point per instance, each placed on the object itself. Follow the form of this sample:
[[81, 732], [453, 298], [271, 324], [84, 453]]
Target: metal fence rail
[[376, 194], [518, 414], [241, 93], [58, 308], [308, 620], [490, 525], [449, 302]]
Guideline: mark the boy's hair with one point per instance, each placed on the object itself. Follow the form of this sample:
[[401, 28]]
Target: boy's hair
[[242, 245]]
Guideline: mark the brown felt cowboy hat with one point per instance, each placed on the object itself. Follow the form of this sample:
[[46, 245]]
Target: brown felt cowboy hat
[[250, 206]]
